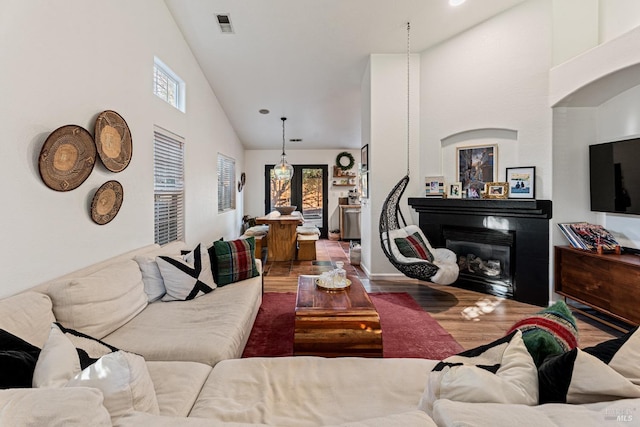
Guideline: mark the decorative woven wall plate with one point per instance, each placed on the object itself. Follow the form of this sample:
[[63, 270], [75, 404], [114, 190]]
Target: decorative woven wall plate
[[106, 202], [67, 158], [113, 141]]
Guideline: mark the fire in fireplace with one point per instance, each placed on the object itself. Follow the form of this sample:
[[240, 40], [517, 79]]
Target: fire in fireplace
[[485, 257]]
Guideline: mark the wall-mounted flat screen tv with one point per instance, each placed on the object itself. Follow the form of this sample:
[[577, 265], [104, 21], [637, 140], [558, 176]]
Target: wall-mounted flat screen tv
[[614, 169]]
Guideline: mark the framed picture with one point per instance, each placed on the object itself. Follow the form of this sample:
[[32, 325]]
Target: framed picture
[[477, 166], [364, 158], [364, 185], [454, 190], [522, 182], [473, 193], [496, 190], [434, 186]]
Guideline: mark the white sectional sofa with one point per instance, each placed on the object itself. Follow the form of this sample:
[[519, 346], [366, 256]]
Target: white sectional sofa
[[207, 329], [192, 352]]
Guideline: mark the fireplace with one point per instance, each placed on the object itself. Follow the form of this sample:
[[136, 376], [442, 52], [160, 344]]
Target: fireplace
[[502, 245], [485, 258]]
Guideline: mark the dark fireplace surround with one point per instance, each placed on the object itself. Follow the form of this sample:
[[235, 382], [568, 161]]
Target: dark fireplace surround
[[526, 222]]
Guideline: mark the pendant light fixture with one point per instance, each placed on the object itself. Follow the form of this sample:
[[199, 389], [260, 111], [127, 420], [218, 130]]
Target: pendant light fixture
[[283, 171]]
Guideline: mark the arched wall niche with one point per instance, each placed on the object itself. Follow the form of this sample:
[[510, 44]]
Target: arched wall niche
[[504, 139], [474, 134], [595, 98]]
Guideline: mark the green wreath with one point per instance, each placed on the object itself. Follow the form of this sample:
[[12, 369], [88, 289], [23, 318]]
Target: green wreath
[[349, 156]]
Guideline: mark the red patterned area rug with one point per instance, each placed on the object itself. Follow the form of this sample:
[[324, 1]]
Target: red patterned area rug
[[407, 330]]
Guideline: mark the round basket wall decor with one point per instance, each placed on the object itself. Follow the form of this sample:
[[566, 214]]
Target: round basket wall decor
[[106, 202], [113, 140], [67, 158]]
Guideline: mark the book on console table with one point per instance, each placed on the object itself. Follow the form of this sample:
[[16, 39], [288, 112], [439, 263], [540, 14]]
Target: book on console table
[[591, 237]]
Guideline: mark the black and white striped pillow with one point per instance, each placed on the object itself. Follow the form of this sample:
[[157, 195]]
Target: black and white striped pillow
[[605, 372], [89, 349], [186, 277], [500, 372]]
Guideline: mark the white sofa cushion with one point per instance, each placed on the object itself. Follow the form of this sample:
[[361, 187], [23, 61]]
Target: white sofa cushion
[[58, 361], [138, 419], [407, 419], [124, 381], [151, 277], [311, 391], [623, 412], [27, 315], [207, 329], [500, 372], [101, 302], [72, 407], [177, 385], [122, 377], [153, 282]]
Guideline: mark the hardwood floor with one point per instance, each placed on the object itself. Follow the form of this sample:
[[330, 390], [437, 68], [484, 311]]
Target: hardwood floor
[[471, 317]]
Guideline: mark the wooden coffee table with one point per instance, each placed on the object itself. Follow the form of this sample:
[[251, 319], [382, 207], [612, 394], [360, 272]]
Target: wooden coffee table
[[335, 323]]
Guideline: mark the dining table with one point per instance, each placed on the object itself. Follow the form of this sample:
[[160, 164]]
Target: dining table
[[282, 237]]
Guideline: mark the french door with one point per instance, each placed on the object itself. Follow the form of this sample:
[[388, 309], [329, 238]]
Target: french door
[[308, 190]]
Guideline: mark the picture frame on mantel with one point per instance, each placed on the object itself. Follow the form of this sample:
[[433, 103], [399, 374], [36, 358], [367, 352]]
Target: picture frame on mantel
[[496, 190], [454, 190], [522, 182], [434, 186], [477, 165]]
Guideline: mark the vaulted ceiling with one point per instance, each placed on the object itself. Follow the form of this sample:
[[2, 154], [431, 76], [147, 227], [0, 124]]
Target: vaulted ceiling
[[305, 59]]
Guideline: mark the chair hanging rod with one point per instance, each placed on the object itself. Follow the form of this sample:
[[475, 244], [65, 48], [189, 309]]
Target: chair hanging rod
[[408, 91]]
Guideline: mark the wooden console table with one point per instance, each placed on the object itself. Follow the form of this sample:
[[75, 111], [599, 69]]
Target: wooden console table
[[608, 283], [282, 236], [335, 323]]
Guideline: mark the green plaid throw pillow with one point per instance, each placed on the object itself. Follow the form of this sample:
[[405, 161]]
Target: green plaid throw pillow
[[413, 247], [234, 261]]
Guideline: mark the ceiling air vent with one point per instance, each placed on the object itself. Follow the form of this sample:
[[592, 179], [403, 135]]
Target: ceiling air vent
[[225, 23]]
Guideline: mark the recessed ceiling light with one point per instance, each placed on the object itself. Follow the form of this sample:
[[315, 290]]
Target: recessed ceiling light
[[224, 21], [263, 111], [456, 2]]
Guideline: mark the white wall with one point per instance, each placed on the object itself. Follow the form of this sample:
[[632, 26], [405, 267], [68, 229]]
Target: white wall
[[492, 77], [63, 63], [387, 102], [575, 28], [255, 160], [617, 17]]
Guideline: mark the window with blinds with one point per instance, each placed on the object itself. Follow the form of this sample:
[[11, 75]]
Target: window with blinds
[[168, 188], [226, 183]]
